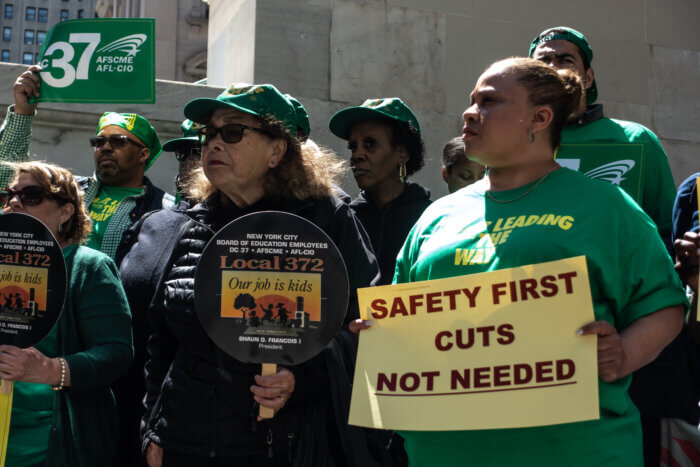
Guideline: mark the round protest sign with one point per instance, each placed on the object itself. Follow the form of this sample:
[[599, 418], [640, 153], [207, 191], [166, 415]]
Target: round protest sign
[[32, 280], [271, 287]]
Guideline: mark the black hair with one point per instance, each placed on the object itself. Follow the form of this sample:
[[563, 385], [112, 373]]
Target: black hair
[[452, 153]]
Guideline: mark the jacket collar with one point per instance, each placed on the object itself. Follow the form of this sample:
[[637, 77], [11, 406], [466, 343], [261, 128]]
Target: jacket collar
[[412, 192], [593, 112]]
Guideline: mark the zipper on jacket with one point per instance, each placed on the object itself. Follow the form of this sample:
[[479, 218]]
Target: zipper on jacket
[[270, 451], [291, 439]]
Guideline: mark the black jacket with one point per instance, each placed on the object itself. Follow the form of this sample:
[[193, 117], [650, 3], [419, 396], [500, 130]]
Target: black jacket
[[198, 398], [388, 227]]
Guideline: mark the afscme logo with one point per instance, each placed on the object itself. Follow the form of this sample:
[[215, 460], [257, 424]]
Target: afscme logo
[[612, 172], [129, 44]]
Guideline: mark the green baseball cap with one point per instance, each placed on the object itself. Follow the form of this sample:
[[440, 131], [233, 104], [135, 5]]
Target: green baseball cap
[[391, 108], [137, 126], [302, 117], [255, 99], [189, 133], [575, 37]]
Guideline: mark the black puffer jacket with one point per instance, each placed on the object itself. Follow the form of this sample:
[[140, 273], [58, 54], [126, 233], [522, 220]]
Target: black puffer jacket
[[388, 227], [198, 398]]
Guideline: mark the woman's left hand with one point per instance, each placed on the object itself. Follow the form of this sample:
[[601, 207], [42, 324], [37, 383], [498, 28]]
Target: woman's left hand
[[611, 353], [273, 391], [28, 365]]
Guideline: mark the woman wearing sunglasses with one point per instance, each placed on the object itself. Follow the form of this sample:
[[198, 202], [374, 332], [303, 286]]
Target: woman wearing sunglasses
[[63, 411], [252, 161], [385, 149]]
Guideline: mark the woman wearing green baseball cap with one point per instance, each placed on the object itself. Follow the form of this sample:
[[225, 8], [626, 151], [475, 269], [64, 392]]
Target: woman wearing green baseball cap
[[385, 149], [528, 210], [201, 404]]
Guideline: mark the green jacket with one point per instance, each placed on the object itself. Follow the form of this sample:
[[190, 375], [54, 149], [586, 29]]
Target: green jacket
[[94, 337]]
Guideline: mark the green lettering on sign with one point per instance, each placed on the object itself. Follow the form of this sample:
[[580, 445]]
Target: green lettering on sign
[[101, 60]]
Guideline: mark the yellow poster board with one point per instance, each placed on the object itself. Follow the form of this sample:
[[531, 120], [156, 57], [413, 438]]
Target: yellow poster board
[[5, 411], [482, 351]]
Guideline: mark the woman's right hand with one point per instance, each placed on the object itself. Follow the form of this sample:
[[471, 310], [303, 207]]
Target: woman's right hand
[[687, 255], [358, 325], [154, 455]]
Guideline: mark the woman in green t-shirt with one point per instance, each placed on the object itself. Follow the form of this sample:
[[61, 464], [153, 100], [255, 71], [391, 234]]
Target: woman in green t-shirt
[[513, 126], [63, 410]]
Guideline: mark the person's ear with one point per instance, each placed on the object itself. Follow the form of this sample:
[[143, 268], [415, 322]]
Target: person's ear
[[403, 154], [444, 174], [542, 116], [145, 154], [590, 76], [66, 212], [279, 149]]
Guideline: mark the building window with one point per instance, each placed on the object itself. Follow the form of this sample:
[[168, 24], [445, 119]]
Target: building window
[[28, 58], [40, 35], [81, 14], [8, 10], [64, 15], [28, 36], [5, 55], [31, 14], [43, 15], [7, 34]]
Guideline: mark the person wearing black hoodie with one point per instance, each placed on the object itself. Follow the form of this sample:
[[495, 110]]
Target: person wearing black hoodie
[[386, 147]]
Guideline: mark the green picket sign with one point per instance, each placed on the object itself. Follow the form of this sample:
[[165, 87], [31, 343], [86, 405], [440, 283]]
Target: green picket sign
[[99, 60]]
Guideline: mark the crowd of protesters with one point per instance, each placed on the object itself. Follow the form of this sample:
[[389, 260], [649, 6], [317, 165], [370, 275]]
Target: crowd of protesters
[[129, 325]]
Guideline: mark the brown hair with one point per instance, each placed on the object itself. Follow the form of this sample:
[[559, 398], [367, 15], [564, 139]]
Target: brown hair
[[561, 90], [304, 172], [61, 186]]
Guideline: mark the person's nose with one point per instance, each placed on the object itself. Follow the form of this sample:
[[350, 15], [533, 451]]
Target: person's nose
[[470, 114]]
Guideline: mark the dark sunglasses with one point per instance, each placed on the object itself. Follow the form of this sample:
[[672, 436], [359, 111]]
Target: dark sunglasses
[[231, 133], [115, 141], [30, 195], [182, 154]]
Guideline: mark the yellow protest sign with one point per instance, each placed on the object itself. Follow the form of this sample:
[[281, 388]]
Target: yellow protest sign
[[482, 351], [5, 411]]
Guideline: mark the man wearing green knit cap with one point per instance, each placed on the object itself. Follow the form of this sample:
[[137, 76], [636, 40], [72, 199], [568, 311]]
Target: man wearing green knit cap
[[628, 155], [624, 153], [124, 146]]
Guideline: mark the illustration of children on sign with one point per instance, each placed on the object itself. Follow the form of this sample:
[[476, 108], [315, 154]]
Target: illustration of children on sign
[[17, 301], [272, 313], [281, 314]]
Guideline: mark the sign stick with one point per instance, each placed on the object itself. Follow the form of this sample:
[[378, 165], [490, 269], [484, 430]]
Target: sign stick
[[267, 369], [6, 386]]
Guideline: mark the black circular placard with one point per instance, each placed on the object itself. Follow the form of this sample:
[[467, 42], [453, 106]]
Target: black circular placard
[[271, 287], [32, 280]]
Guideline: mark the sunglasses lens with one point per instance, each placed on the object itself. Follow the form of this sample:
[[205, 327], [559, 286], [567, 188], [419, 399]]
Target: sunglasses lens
[[231, 133], [31, 195]]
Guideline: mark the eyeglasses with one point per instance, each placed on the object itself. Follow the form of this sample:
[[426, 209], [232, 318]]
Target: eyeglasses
[[30, 195], [115, 141], [182, 154], [231, 133]]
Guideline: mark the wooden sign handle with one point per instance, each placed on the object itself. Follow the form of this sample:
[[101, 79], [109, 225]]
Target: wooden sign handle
[[6, 386], [267, 369]]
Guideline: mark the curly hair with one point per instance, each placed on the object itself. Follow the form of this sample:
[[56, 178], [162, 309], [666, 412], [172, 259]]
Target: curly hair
[[306, 171], [60, 185]]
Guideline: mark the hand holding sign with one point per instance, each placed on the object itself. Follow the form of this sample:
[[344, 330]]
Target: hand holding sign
[[26, 87]]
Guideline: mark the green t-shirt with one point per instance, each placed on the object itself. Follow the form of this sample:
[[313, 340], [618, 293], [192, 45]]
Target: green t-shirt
[[625, 154], [567, 215], [32, 409], [103, 206]]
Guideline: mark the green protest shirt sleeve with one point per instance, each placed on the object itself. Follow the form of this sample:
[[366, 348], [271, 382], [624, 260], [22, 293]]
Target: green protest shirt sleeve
[[15, 134], [103, 207], [566, 215]]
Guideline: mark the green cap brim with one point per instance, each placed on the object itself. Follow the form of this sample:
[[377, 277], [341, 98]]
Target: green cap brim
[[342, 122], [200, 110], [173, 143]]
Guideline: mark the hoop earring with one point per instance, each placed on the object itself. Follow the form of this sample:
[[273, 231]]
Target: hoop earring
[[402, 172], [531, 136]]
